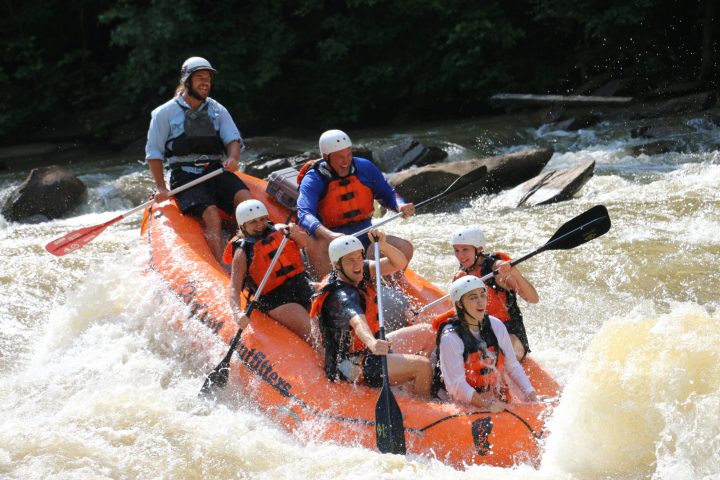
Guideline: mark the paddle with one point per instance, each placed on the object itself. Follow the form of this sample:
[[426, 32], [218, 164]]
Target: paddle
[[590, 224], [459, 183], [389, 429], [77, 239], [219, 376]]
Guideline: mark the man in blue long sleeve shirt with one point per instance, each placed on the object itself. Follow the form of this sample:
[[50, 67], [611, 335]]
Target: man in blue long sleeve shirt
[[336, 198]]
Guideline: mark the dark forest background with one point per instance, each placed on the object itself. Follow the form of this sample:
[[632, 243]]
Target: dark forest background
[[82, 68]]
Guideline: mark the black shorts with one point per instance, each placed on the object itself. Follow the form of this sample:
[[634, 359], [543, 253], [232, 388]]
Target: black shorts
[[517, 328], [218, 191], [372, 370], [295, 290]]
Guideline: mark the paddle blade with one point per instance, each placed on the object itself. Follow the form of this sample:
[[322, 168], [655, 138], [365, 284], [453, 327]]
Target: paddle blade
[[144, 224], [459, 184], [467, 179], [77, 239], [218, 378], [588, 225], [389, 429]]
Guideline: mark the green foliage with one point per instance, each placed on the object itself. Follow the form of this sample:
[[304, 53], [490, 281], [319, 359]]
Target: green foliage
[[325, 63]]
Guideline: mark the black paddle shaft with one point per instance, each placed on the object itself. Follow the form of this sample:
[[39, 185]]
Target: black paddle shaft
[[457, 185]]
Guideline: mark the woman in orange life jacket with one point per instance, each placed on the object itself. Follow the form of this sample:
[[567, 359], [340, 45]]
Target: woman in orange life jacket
[[504, 288], [347, 310], [287, 292], [474, 352]]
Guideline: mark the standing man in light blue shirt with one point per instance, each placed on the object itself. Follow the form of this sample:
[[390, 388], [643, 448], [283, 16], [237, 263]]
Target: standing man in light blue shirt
[[194, 135]]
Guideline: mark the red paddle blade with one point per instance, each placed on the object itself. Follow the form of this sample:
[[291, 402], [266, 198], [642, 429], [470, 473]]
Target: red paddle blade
[[144, 223], [77, 239]]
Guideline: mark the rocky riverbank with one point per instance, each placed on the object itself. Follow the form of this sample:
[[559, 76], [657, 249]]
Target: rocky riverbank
[[418, 169]]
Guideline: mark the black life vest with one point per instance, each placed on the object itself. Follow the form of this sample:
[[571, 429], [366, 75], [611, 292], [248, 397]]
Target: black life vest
[[475, 353], [339, 343], [199, 136]]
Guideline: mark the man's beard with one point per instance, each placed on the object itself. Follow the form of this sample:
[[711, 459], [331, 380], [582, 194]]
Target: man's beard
[[193, 93]]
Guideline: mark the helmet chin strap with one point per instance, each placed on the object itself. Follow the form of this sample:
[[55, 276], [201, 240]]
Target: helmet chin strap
[[339, 268], [342, 270], [478, 254]]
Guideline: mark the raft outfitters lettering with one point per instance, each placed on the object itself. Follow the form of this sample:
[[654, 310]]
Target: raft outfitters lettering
[[258, 362], [201, 311], [481, 429], [254, 359]]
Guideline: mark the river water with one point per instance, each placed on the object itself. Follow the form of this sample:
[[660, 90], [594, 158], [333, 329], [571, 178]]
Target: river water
[[95, 384]]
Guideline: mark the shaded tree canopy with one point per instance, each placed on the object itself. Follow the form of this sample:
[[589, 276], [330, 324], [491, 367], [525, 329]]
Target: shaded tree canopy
[[332, 63]]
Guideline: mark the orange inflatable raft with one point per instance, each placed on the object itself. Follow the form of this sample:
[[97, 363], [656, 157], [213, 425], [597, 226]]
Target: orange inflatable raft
[[284, 375]]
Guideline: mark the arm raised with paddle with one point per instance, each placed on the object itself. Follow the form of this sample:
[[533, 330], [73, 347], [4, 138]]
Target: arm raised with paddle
[[587, 226]]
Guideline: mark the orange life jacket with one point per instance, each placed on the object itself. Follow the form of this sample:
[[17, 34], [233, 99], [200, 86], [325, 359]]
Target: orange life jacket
[[260, 252], [482, 369], [346, 199], [502, 304], [305, 168]]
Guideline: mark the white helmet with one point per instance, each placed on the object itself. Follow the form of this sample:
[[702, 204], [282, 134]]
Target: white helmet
[[341, 246], [463, 285], [249, 210], [333, 141], [469, 236], [192, 65]]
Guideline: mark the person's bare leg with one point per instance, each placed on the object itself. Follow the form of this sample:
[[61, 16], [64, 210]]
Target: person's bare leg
[[403, 245], [212, 223], [416, 339], [518, 347], [405, 368], [240, 196], [295, 318]]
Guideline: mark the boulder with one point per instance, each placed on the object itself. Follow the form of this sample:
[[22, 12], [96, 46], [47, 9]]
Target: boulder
[[266, 164], [504, 171], [408, 153], [553, 186], [47, 192], [660, 131], [654, 148], [676, 106], [576, 123]]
